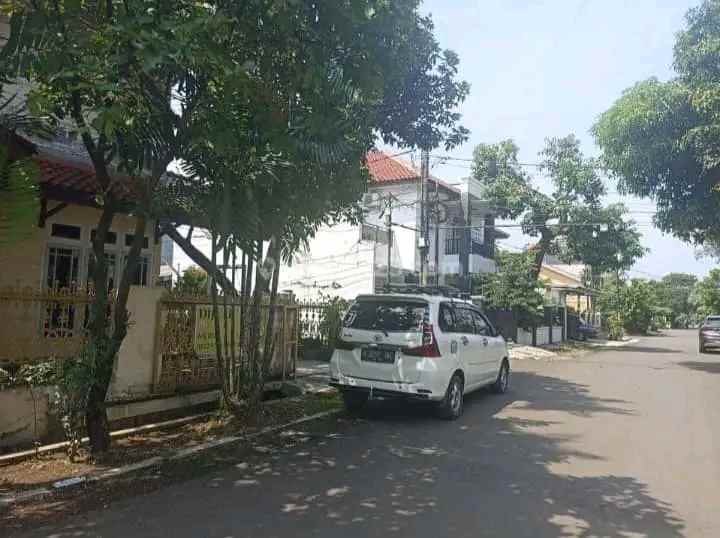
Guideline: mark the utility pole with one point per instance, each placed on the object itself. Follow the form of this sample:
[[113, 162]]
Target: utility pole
[[436, 214], [424, 215], [388, 224]]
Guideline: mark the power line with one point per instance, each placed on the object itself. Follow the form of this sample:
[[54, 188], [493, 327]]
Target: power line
[[385, 157], [644, 273], [334, 256], [535, 225], [339, 272]]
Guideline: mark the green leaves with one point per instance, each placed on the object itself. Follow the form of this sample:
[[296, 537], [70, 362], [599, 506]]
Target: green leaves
[[660, 139], [19, 198], [194, 281], [633, 306], [707, 294], [555, 218], [513, 287], [611, 244], [19, 193]]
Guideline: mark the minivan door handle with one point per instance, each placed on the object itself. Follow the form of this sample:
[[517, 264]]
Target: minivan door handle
[[464, 340], [485, 341]]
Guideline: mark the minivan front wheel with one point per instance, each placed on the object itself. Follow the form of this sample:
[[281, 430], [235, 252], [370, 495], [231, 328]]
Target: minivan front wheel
[[451, 406], [354, 401]]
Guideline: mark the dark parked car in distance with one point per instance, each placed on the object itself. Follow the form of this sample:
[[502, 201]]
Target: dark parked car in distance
[[709, 333], [585, 331]]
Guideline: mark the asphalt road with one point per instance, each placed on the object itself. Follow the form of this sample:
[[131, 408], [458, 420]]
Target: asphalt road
[[618, 443]]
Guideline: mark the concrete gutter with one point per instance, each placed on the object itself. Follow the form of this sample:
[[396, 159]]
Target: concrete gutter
[[68, 483]]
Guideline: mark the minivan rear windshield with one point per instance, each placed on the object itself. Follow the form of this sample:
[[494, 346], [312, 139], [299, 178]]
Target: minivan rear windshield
[[389, 316], [712, 322]]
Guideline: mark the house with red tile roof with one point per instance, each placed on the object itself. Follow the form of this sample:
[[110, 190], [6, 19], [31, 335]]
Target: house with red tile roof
[[57, 253], [348, 260]]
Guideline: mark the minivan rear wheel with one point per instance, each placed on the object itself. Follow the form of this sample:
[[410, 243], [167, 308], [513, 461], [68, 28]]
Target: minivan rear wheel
[[503, 379], [451, 406], [354, 401]]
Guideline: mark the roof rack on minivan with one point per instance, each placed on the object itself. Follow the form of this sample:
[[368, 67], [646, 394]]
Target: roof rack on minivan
[[443, 291]]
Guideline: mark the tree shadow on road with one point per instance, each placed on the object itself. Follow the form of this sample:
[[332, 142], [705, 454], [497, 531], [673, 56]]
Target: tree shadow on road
[[638, 349], [403, 472], [707, 367]]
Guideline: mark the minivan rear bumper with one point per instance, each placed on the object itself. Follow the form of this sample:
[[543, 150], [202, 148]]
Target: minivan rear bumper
[[384, 389]]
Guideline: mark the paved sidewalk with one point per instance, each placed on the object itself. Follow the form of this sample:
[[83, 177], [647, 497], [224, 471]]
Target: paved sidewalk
[[312, 376]]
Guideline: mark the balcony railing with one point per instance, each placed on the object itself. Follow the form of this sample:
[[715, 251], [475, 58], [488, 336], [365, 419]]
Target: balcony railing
[[486, 250]]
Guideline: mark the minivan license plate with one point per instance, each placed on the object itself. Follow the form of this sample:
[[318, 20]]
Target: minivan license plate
[[370, 354]]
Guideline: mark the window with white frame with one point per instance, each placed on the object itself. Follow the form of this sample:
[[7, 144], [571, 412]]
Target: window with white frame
[[69, 257], [453, 238], [477, 235], [141, 275], [112, 268], [63, 264], [142, 270], [112, 256], [61, 270]]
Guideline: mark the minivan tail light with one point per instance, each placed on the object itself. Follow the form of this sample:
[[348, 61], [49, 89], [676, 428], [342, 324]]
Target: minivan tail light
[[429, 347]]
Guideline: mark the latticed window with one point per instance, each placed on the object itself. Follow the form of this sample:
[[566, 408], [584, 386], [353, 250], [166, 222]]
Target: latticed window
[[477, 236], [61, 273], [370, 232], [140, 277], [452, 241]]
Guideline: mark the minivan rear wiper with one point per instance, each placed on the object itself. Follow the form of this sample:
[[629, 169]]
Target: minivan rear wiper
[[381, 329]]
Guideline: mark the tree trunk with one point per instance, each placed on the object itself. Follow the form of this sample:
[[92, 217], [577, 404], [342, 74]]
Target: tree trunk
[[104, 346], [541, 249], [219, 351], [96, 423], [269, 345], [200, 259]]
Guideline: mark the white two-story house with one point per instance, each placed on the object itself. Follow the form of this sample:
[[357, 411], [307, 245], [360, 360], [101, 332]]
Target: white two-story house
[[346, 260]]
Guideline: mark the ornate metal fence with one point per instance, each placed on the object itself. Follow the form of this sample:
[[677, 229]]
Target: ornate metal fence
[[41, 324], [186, 341], [320, 324]]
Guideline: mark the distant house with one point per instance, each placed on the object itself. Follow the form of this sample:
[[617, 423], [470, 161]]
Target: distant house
[[566, 285], [347, 260]]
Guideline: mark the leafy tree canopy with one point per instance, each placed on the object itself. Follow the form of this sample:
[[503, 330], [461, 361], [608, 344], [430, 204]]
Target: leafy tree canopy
[[193, 281], [631, 306], [660, 139], [613, 245], [707, 294], [675, 291], [19, 196], [561, 219], [513, 287]]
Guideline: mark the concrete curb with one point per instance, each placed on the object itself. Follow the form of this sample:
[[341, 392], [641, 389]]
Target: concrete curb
[[68, 483], [612, 343], [15, 457]]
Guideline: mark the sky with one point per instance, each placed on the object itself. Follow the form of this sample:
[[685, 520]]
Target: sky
[[547, 68]]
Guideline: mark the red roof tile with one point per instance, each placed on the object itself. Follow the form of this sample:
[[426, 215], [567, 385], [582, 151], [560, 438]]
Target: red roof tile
[[56, 174], [386, 169]]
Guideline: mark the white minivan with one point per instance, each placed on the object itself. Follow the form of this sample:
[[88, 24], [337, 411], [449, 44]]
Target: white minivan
[[417, 346]]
